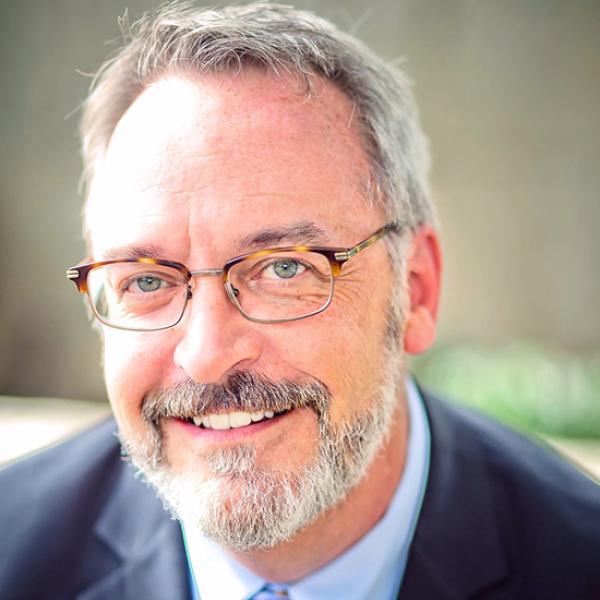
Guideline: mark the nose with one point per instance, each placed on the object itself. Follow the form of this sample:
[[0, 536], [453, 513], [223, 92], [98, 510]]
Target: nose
[[215, 338]]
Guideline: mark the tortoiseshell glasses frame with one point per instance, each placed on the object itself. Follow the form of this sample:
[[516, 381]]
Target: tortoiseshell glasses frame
[[291, 296]]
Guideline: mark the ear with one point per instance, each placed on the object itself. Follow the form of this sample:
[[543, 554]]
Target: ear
[[424, 271]]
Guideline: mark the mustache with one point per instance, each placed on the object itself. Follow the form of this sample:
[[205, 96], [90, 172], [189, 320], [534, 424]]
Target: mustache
[[241, 391]]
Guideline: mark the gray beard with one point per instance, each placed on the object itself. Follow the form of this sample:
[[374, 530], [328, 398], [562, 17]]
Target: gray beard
[[241, 506]]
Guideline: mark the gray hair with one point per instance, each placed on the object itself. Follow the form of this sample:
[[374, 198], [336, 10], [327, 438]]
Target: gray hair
[[181, 37]]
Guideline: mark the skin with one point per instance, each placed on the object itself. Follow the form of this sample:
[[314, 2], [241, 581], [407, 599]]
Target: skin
[[195, 168]]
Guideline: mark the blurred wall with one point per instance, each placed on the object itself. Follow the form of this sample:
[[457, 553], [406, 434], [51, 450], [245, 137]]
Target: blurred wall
[[510, 98]]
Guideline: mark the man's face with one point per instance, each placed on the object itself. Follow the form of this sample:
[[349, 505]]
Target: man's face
[[203, 169]]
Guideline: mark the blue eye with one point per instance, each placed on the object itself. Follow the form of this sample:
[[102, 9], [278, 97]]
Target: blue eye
[[146, 284], [286, 268]]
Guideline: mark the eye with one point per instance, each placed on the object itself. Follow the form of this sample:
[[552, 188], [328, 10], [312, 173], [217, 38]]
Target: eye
[[145, 284], [149, 283], [284, 268]]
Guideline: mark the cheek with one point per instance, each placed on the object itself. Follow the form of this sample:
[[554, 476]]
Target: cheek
[[343, 348], [133, 365]]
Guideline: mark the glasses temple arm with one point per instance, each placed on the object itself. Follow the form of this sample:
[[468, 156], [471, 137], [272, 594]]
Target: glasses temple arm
[[395, 226]]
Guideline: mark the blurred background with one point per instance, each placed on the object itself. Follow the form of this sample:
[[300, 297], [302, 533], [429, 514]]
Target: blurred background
[[509, 93]]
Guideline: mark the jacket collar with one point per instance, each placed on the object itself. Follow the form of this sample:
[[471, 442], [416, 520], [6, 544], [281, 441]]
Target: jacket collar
[[457, 549], [145, 545]]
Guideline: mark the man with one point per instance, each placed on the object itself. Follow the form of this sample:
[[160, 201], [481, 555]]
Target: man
[[262, 256]]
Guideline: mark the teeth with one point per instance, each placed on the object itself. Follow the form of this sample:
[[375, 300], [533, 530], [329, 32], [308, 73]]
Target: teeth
[[239, 419], [232, 420], [219, 421]]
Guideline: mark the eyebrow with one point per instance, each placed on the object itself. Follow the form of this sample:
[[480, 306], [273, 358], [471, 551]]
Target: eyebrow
[[146, 251], [302, 232]]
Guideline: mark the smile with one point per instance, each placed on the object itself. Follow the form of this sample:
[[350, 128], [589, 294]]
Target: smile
[[232, 420]]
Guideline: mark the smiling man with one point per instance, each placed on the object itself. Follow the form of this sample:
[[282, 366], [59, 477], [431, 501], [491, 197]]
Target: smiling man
[[267, 386], [262, 256]]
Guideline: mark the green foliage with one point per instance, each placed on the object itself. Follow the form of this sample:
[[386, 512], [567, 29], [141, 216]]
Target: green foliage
[[528, 387]]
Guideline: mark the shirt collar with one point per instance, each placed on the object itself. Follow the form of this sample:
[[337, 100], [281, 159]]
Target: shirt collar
[[219, 577]]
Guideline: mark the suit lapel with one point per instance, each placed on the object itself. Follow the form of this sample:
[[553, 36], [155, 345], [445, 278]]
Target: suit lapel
[[145, 544], [456, 550]]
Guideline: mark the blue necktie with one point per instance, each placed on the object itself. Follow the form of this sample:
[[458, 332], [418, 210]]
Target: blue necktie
[[270, 591]]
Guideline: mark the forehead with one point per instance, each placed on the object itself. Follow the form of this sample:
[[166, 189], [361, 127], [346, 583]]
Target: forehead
[[201, 154]]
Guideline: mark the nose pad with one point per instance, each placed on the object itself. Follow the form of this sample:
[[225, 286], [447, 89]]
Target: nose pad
[[233, 294], [230, 289]]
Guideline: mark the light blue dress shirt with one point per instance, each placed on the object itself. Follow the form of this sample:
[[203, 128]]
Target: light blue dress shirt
[[371, 568]]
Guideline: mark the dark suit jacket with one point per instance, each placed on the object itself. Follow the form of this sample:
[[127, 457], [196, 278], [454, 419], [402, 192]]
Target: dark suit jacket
[[502, 519]]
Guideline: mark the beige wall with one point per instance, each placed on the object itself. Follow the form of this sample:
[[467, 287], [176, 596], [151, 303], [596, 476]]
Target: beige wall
[[510, 97]]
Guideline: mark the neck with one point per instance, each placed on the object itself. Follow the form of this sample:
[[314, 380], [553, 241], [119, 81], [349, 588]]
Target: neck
[[343, 525]]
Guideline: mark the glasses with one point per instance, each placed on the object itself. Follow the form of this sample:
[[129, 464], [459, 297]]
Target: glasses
[[274, 285]]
